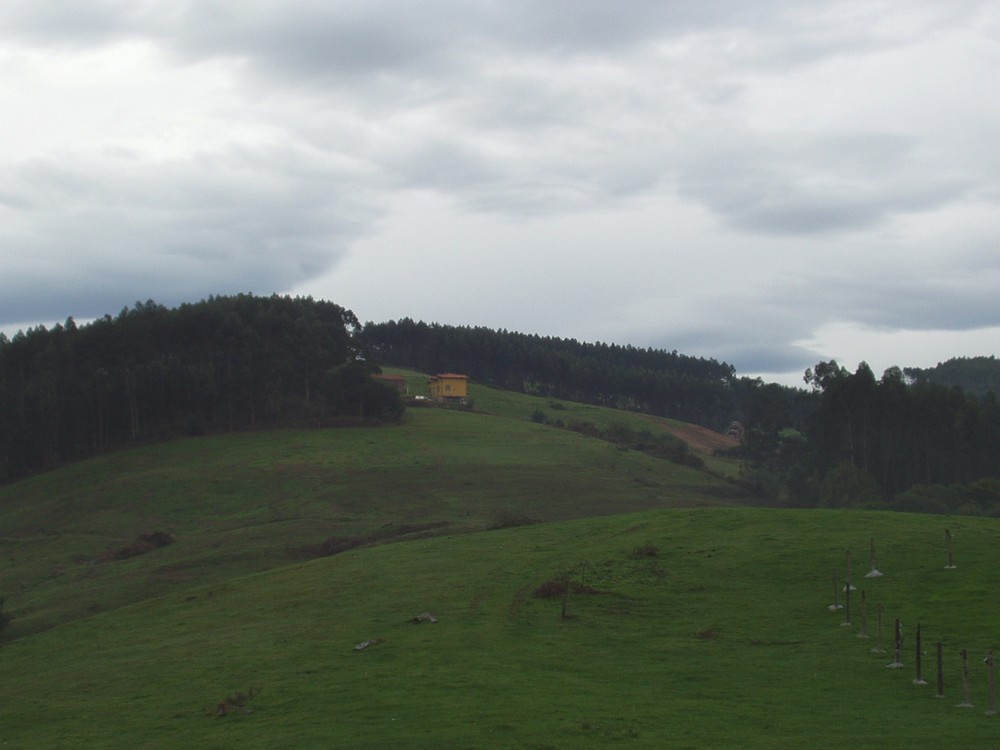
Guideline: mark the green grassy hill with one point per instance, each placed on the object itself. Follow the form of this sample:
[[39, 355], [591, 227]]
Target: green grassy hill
[[247, 502], [720, 639], [689, 627]]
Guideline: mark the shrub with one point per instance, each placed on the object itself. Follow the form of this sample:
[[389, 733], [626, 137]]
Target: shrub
[[935, 498], [237, 702], [584, 428], [621, 432], [508, 519], [558, 586], [644, 550], [846, 486]]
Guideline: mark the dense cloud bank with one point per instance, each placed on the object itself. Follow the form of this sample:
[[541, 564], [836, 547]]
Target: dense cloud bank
[[724, 179]]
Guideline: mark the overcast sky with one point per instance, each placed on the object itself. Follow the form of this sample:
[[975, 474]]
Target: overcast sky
[[768, 183]]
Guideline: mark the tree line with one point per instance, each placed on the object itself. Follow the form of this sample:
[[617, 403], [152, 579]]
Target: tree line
[[896, 443], [906, 441], [978, 375], [243, 362], [226, 363], [653, 381]]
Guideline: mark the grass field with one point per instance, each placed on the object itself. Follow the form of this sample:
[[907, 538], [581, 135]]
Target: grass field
[[722, 639], [248, 502], [692, 625]]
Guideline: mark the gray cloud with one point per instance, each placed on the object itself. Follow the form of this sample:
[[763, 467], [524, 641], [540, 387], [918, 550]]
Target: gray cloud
[[119, 229], [318, 41], [83, 23], [952, 302], [756, 160], [747, 349], [314, 39], [798, 185]]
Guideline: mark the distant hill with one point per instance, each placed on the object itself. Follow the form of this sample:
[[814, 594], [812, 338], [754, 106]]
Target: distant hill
[[265, 588], [248, 501], [282, 611], [654, 381], [244, 363], [152, 373], [978, 375]]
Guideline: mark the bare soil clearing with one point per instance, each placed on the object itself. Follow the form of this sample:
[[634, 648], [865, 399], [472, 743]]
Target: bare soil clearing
[[703, 439]]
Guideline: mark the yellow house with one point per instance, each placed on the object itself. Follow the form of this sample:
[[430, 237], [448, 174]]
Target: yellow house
[[448, 386]]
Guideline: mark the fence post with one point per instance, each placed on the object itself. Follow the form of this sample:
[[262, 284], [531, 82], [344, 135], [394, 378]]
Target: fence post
[[864, 616], [991, 677], [897, 645], [919, 679], [966, 700], [948, 544], [875, 572], [847, 607], [879, 647], [836, 594], [940, 670]]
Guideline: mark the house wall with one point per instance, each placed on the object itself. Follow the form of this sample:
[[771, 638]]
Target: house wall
[[449, 387]]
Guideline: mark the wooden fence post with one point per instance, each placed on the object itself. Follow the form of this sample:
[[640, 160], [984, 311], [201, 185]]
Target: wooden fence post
[[879, 647], [847, 607], [991, 677], [836, 594], [966, 700], [897, 645], [940, 670], [874, 573], [864, 616], [919, 679]]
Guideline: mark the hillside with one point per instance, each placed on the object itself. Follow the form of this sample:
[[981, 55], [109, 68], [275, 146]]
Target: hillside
[[692, 628], [152, 373], [689, 623], [978, 375], [664, 383], [227, 364], [247, 502]]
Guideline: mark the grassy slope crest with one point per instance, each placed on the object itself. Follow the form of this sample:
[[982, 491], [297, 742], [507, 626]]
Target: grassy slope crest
[[246, 502], [703, 626]]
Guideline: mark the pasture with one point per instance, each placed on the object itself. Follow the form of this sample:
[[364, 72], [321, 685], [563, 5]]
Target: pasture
[[692, 620]]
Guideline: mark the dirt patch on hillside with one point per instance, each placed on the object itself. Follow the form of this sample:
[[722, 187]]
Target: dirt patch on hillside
[[701, 439], [334, 545], [143, 544]]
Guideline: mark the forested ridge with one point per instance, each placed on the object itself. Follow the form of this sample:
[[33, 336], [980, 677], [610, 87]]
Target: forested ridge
[[653, 381], [978, 375], [904, 441], [907, 441], [225, 363]]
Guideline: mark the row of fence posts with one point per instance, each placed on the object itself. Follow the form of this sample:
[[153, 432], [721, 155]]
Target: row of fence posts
[[897, 641]]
